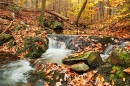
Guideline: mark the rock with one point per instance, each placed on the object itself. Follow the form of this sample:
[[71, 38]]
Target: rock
[[90, 58], [120, 57], [5, 38], [53, 24], [35, 46], [80, 67], [56, 77]]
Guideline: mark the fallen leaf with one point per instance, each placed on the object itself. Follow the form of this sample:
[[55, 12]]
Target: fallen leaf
[[127, 70]]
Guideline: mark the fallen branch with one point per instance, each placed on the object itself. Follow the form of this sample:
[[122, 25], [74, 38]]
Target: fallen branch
[[8, 27], [4, 3], [58, 15]]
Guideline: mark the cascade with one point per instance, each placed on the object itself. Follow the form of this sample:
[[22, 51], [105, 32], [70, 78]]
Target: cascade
[[15, 73], [57, 48], [107, 52]]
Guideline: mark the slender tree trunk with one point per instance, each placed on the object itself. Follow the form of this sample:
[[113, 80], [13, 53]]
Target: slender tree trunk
[[80, 12], [66, 8], [26, 3], [101, 9], [42, 17], [53, 3], [32, 2], [109, 9], [36, 4]]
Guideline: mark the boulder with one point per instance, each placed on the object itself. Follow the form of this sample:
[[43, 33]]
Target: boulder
[[120, 57], [53, 24], [35, 47], [80, 67], [5, 38], [90, 58]]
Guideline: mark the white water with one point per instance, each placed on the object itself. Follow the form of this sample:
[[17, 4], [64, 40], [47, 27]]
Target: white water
[[107, 52], [56, 51], [16, 72]]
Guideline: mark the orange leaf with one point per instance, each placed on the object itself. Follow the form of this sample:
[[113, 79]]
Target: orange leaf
[[127, 70]]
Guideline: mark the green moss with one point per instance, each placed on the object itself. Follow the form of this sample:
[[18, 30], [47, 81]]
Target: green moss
[[124, 55], [119, 72], [5, 38], [119, 75], [12, 43], [34, 49], [120, 58], [38, 32]]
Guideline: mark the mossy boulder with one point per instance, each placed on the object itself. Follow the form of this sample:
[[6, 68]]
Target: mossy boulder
[[80, 67], [35, 47], [90, 58], [120, 57], [114, 73], [53, 24], [5, 38]]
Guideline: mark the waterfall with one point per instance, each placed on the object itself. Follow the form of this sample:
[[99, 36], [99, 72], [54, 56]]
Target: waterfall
[[107, 52], [15, 73], [109, 49], [56, 44], [56, 51]]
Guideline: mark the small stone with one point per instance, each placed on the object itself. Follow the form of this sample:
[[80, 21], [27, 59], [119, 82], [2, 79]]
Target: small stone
[[80, 67]]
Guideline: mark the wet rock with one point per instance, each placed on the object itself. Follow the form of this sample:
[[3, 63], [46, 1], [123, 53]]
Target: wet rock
[[90, 58], [80, 67], [35, 47], [5, 38]]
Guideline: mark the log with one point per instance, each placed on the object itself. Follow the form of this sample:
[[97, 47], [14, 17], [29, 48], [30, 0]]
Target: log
[[58, 15], [48, 11]]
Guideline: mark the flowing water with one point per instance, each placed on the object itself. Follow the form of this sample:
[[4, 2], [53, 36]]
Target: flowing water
[[107, 52], [57, 49], [17, 73]]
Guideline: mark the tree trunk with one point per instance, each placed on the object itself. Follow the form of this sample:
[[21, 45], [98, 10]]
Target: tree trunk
[[36, 4], [26, 3], [101, 9], [42, 17], [80, 12], [109, 9]]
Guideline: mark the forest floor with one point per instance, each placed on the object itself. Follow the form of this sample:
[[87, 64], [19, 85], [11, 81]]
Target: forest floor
[[112, 27], [120, 29]]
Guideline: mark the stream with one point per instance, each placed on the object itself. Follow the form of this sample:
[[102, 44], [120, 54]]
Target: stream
[[17, 73]]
